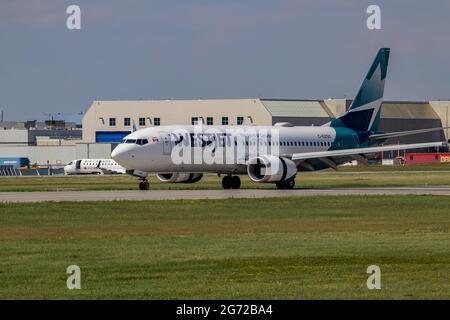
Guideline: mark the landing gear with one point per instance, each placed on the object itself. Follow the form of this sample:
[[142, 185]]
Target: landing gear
[[231, 182], [144, 185], [287, 184]]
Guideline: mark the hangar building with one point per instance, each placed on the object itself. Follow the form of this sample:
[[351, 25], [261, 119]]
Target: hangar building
[[110, 121]]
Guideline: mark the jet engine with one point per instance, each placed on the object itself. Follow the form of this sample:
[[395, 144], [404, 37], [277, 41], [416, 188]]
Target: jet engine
[[179, 177], [269, 168]]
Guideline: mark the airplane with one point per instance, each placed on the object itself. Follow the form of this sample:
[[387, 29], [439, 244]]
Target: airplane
[[93, 166], [282, 150]]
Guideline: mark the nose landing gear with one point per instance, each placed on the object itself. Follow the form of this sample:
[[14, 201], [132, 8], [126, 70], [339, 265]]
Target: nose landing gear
[[144, 185], [231, 182]]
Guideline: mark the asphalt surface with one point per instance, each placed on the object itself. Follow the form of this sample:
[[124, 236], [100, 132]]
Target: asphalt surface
[[137, 195]]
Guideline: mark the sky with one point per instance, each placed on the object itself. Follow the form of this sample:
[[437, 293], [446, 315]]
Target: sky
[[198, 49]]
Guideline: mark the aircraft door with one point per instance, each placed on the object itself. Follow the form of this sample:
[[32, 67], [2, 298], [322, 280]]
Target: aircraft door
[[167, 145], [78, 164]]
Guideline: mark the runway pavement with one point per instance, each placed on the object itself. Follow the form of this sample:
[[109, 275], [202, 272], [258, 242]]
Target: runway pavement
[[137, 195]]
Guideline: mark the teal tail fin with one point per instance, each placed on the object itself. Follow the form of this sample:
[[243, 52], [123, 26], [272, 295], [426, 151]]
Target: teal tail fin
[[364, 112]]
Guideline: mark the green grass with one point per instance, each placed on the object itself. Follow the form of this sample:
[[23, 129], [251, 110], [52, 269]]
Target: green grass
[[290, 248], [346, 177]]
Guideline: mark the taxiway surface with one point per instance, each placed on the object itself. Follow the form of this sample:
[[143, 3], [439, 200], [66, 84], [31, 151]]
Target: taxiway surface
[[136, 195]]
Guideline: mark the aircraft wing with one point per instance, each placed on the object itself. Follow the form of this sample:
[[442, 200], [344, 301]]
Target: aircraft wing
[[112, 171], [334, 157]]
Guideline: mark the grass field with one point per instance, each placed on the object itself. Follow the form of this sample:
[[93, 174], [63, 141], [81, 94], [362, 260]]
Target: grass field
[[290, 248], [346, 177]]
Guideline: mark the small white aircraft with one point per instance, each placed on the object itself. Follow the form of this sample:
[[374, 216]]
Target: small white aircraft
[[93, 166], [268, 154]]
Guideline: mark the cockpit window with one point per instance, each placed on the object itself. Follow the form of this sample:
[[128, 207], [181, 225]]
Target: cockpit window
[[140, 142], [143, 141]]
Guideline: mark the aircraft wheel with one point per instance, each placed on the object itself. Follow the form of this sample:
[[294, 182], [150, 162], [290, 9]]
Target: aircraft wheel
[[280, 185], [235, 182], [227, 182], [290, 184], [144, 185]]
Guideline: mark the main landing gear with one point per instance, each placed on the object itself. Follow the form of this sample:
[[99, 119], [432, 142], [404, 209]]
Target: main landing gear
[[144, 185], [287, 184], [231, 182]]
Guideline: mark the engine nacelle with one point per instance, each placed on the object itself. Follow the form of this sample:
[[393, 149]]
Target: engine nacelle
[[271, 169], [179, 177]]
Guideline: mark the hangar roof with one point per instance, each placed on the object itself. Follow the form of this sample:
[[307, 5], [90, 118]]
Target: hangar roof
[[295, 108]]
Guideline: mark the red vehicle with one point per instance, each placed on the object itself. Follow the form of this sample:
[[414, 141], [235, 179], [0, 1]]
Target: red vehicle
[[413, 158]]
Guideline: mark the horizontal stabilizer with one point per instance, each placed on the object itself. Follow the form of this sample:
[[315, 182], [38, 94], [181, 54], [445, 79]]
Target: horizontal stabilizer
[[349, 152], [383, 136]]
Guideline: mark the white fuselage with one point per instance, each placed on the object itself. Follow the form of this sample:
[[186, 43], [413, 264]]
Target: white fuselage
[[153, 149], [93, 166]]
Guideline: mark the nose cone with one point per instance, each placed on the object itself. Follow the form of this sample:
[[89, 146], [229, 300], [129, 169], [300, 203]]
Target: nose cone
[[115, 153], [121, 155]]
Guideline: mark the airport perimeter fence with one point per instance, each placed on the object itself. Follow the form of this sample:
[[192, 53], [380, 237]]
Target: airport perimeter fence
[[10, 171]]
